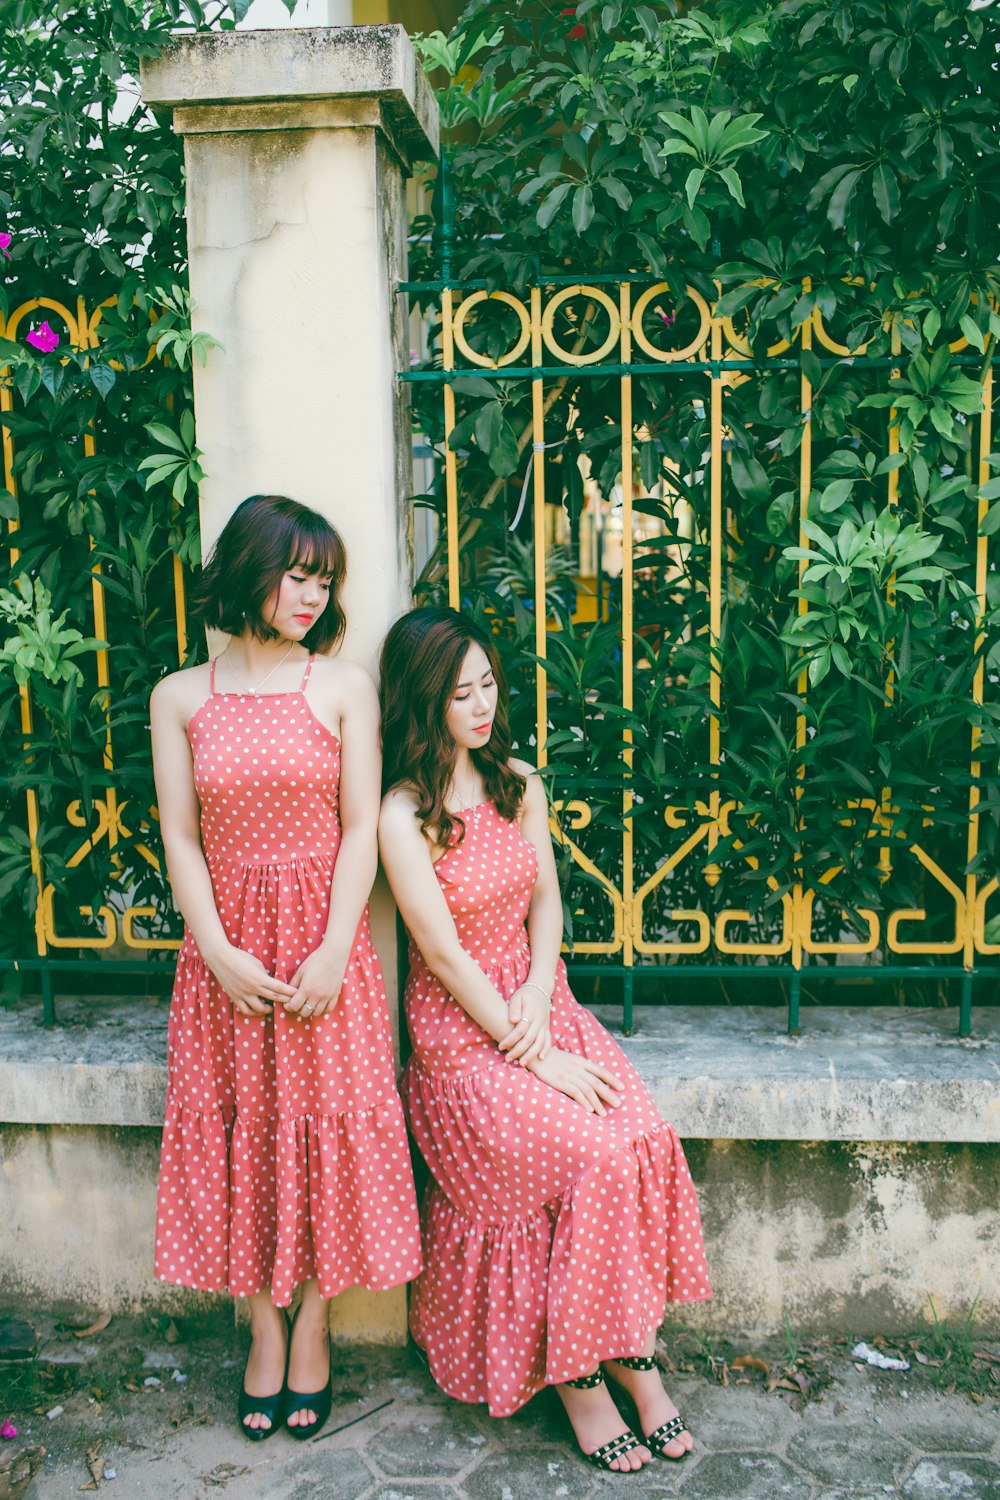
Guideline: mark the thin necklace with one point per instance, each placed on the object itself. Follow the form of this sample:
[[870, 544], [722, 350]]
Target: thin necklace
[[473, 806], [253, 691]]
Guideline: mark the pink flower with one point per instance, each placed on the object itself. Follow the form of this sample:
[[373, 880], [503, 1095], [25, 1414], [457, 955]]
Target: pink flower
[[43, 338], [5, 240], [8, 1431], [668, 319]]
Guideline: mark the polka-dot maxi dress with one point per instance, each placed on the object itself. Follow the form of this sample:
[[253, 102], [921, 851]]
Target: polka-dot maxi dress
[[552, 1237], [284, 1149]]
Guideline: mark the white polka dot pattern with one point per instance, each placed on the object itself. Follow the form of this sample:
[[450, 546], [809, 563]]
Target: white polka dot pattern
[[284, 1148], [552, 1237]]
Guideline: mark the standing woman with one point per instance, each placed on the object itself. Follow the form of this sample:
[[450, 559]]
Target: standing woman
[[561, 1215], [285, 1160]]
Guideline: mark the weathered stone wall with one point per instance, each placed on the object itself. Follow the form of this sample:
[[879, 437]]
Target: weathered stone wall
[[847, 1236], [844, 1237]]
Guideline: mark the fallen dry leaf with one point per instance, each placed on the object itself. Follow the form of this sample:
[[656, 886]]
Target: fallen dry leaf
[[977, 1397], [95, 1463], [173, 1333], [922, 1359], [991, 1359], [751, 1362], [98, 1327], [223, 1473]]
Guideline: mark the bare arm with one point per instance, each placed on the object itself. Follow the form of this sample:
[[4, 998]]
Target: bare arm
[[545, 917], [406, 859], [177, 803], [244, 979], [321, 976]]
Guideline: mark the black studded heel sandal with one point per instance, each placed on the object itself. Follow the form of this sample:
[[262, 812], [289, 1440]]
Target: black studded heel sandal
[[670, 1431], [603, 1457]]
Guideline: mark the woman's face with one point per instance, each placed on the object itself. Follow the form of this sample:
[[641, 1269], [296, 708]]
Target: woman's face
[[473, 704], [297, 603]]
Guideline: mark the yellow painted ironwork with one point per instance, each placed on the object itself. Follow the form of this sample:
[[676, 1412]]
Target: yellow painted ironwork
[[628, 633], [974, 911], [103, 824], [802, 683], [690, 836], [693, 834], [538, 479], [450, 457]]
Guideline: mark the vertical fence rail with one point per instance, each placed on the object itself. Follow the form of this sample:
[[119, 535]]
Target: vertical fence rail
[[538, 517], [628, 662], [972, 907]]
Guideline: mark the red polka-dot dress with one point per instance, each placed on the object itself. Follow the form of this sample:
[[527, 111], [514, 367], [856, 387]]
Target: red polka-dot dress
[[552, 1237], [284, 1149]]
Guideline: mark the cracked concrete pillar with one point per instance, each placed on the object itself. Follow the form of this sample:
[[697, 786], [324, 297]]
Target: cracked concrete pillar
[[297, 145]]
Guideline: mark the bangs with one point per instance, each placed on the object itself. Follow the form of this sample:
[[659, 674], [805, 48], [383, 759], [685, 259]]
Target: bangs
[[315, 550]]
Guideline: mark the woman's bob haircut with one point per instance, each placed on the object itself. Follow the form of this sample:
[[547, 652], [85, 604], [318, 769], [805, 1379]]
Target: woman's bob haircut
[[265, 538]]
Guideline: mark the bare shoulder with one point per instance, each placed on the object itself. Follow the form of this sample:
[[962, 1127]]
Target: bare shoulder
[[399, 827], [399, 810], [534, 800], [345, 681], [180, 694]]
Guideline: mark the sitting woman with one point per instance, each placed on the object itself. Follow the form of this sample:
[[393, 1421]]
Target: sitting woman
[[561, 1216]]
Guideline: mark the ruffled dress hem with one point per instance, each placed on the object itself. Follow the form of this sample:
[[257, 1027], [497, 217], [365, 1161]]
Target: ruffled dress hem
[[531, 1302], [331, 1174]]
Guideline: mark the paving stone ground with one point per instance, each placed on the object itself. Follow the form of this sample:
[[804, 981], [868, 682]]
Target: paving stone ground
[[394, 1436]]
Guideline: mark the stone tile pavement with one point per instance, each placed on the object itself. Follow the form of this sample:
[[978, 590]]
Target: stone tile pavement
[[133, 1428]]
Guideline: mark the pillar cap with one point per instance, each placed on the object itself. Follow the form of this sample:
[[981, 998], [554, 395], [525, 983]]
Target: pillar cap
[[305, 63]]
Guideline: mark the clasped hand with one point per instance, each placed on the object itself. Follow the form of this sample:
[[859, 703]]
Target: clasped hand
[[313, 991], [529, 1039]]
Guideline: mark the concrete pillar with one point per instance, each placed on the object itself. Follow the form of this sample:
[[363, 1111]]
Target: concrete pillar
[[297, 145]]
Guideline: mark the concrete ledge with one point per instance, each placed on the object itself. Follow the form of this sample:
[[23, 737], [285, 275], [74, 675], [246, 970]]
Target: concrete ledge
[[320, 62], [717, 1074], [852, 1075]]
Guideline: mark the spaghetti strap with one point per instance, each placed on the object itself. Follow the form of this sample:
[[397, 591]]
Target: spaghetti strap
[[305, 675], [211, 676]]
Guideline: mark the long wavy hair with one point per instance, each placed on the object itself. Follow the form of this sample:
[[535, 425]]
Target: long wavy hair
[[419, 669]]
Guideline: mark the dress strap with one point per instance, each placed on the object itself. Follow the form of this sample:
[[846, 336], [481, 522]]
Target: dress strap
[[305, 675], [211, 676]]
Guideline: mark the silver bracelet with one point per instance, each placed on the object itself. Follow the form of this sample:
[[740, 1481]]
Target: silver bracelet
[[529, 984]]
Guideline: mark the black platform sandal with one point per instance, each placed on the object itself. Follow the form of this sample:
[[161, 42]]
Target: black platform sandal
[[319, 1401], [603, 1457], [272, 1407], [670, 1431]]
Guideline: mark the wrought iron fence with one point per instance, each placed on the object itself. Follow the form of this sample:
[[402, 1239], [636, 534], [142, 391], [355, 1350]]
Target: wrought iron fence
[[660, 857], [104, 827], [672, 865]]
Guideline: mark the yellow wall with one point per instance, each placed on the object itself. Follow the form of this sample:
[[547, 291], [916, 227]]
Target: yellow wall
[[415, 15]]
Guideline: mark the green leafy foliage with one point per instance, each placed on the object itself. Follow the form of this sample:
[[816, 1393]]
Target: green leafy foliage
[[814, 172], [105, 469]]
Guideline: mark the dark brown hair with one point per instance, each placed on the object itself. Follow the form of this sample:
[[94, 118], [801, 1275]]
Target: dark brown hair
[[419, 669], [264, 538]]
